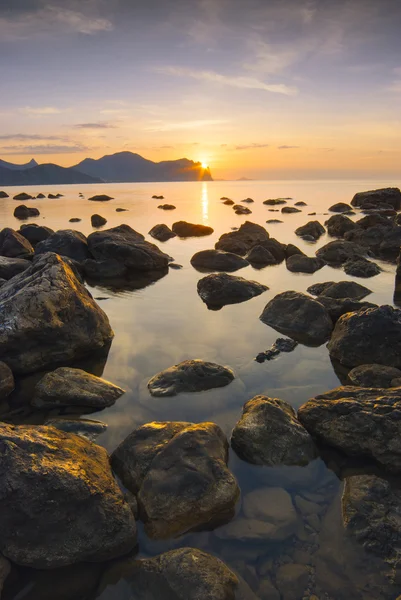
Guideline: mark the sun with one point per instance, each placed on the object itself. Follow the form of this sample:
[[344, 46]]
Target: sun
[[205, 165]]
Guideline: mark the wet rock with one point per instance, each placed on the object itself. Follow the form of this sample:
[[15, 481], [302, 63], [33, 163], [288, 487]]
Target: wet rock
[[390, 246], [9, 267], [292, 581], [121, 209], [229, 202], [75, 220], [190, 376], [371, 336], [73, 387], [304, 264], [368, 239], [241, 210], [362, 268], [267, 591], [128, 247], [216, 260], [155, 197], [248, 201], [288, 210], [184, 229], [275, 201], [35, 233], [167, 207], [374, 376], [98, 221], [374, 220], [301, 203], [260, 256], [376, 198], [290, 250], [243, 239], [101, 270], [277, 250], [339, 225], [344, 289], [338, 252], [313, 229], [40, 196], [280, 345], [298, 316], [175, 266], [269, 433], [3, 195], [273, 221], [48, 317], [318, 288], [5, 569], [6, 381], [337, 307], [219, 289], [340, 207], [162, 233], [361, 422], [23, 196], [60, 502], [100, 198], [86, 428], [14, 245], [65, 242], [22, 212]]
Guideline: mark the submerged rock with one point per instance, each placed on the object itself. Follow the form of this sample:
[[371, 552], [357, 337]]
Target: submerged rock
[[313, 229], [73, 387], [9, 267], [190, 376], [86, 428], [184, 229], [298, 263], [280, 345], [48, 317], [362, 268], [35, 233], [269, 433], [100, 198], [23, 212], [298, 316], [374, 376], [243, 239], [66, 242], [98, 221], [219, 289], [162, 233], [14, 245], [216, 260], [60, 502], [376, 198]]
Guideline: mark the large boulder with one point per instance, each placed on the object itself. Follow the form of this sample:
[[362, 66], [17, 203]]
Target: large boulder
[[298, 316], [298, 263], [65, 242], [216, 260], [376, 198], [35, 233], [219, 289], [184, 229], [312, 228], [242, 240], [371, 336], [190, 376], [48, 317], [361, 422], [60, 502], [269, 433], [22, 212], [184, 484], [14, 245], [375, 376], [9, 267], [73, 387], [161, 232], [339, 225], [338, 252], [128, 247], [361, 268]]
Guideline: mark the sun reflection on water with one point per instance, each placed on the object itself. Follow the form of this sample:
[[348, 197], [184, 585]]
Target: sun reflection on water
[[205, 201]]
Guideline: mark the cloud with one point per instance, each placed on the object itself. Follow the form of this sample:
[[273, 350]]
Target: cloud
[[95, 126], [196, 124], [30, 137], [248, 83], [286, 147], [42, 149], [40, 111], [251, 146]]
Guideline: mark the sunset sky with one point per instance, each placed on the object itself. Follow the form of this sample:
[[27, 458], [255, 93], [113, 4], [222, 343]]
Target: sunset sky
[[254, 88]]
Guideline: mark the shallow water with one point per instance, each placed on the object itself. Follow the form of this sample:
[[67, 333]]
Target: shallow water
[[166, 322]]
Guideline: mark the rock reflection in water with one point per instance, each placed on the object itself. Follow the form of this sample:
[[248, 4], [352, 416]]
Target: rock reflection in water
[[130, 283]]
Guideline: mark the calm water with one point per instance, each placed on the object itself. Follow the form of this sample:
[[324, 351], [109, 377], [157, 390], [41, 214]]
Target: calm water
[[166, 322]]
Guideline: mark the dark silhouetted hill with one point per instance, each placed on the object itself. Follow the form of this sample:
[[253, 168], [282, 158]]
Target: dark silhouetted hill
[[32, 163], [47, 174]]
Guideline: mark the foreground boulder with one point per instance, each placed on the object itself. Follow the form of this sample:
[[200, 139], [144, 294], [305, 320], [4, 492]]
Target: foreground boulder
[[376, 198], [182, 477], [73, 387], [184, 229], [269, 433], [9, 267], [14, 245], [298, 263], [313, 229], [190, 376], [128, 247], [49, 317], [371, 336], [298, 316], [361, 422], [242, 240], [375, 376], [23, 212], [337, 307], [220, 289], [339, 225], [162, 232], [60, 502], [35, 233], [65, 242], [216, 260]]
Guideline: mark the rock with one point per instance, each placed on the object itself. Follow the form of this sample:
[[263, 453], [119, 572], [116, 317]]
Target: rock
[[4, 195], [183, 574], [277, 250], [317, 289], [190, 376], [339, 252], [73, 387], [272, 505], [40, 196], [100, 198], [48, 317], [5, 566], [371, 336], [22, 212], [344, 289], [219, 289], [242, 240], [60, 502], [373, 376], [304, 264], [162, 233], [167, 207], [53, 196], [75, 220], [269, 433], [290, 209], [98, 221], [229, 202], [313, 229], [35, 233], [260, 256], [280, 345], [298, 316], [361, 422], [307, 507], [376, 198], [290, 250], [273, 221], [267, 591], [275, 201], [128, 247], [374, 220], [175, 266], [337, 307], [301, 203], [121, 209], [103, 270], [184, 229], [86, 428], [390, 246], [9, 267], [23, 196], [14, 245], [368, 239], [292, 581], [6, 381], [65, 242], [339, 225], [340, 207], [155, 197], [241, 210], [361, 268], [216, 260]]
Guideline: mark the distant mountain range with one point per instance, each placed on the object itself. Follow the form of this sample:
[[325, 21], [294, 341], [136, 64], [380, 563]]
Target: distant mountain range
[[115, 168]]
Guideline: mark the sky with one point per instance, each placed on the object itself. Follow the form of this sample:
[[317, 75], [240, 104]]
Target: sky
[[262, 89]]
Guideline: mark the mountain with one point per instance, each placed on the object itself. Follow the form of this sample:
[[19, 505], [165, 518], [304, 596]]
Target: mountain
[[32, 163], [48, 174], [130, 167]]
